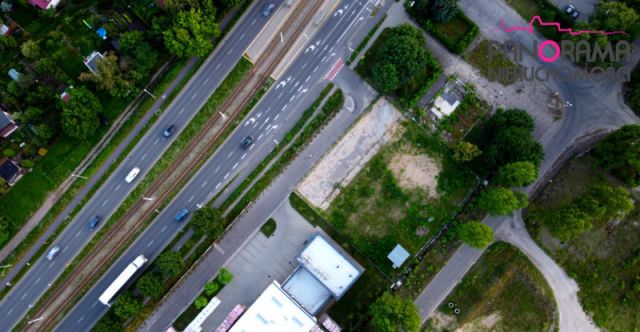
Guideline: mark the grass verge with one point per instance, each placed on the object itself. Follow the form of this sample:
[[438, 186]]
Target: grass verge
[[365, 41], [491, 68], [503, 291]]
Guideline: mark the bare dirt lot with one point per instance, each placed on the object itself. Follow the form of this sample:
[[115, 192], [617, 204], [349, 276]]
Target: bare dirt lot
[[416, 172]]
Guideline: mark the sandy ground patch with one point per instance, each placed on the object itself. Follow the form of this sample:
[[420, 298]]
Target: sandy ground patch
[[416, 172], [486, 323], [342, 163]]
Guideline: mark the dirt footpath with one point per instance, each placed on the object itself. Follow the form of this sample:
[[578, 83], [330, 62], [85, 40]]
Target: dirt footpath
[[340, 165]]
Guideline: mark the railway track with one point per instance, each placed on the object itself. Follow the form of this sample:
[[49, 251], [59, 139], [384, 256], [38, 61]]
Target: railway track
[[65, 295]]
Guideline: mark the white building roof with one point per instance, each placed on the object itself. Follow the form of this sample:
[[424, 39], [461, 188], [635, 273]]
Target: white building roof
[[398, 255], [307, 290], [274, 311], [329, 266]]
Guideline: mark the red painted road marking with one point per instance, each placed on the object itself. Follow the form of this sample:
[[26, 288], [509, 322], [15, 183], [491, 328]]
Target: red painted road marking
[[335, 69]]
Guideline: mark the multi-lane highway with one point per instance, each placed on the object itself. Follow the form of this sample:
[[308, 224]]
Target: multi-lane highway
[[267, 123], [111, 194]]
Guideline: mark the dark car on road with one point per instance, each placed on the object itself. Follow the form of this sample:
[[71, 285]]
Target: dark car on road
[[93, 223], [182, 214], [246, 143], [268, 8], [169, 131], [572, 11]]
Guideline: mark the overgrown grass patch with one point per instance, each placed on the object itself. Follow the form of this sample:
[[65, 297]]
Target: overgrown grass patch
[[504, 283], [456, 34], [604, 260], [375, 213], [490, 67]]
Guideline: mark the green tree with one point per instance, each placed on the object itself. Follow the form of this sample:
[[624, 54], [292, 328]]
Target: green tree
[[567, 222], [108, 323], [517, 174], [30, 49], [80, 115], [475, 234], [511, 145], [191, 33], [211, 288], [170, 264], [126, 306], [465, 151], [619, 153], [385, 77], [4, 187], [7, 42], [391, 313], [513, 117], [444, 10], [150, 285], [501, 201], [32, 115], [207, 221], [224, 276], [615, 16], [109, 77], [9, 153], [200, 302], [130, 40]]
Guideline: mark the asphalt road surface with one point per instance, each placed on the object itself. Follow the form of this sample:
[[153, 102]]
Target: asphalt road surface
[[111, 194], [267, 123]]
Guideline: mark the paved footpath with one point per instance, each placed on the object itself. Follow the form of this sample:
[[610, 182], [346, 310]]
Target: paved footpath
[[54, 196]]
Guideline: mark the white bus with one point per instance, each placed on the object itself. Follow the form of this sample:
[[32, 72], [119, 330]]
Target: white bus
[[121, 280]]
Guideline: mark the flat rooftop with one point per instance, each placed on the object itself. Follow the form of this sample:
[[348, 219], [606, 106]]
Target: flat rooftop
[[329, 265], [274, 311], [307, 290]]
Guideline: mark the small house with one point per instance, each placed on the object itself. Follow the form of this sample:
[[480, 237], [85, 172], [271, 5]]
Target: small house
[[7, 125], [10, 172], [92, 60], [44, 4]]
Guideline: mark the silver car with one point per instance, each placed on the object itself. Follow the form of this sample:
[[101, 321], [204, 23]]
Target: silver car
[[53, 252]]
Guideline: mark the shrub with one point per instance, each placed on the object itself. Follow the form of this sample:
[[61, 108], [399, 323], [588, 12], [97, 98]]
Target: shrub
[[200, 302], [26, 163], [224, 276], [211, 288], [9, 153]]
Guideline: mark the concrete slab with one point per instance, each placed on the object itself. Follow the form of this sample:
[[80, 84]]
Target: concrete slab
[[340, 165]]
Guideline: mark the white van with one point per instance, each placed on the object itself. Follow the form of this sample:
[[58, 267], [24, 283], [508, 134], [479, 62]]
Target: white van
[[132, 174]]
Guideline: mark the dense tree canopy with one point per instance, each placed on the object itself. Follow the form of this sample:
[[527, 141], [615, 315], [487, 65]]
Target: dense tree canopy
[[517, 174], [443, 10], [80, 115], [600, 203], [207, 221], [170, 264], [475, 234], [399, 62], [465, 151], [126, 305], [150, 285], [191, 33], [110, 77], [391, 313], [501, 201], [615, 16], [620, 153]]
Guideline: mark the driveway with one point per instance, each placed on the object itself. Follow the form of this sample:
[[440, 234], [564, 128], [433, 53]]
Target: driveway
[[565, 290]]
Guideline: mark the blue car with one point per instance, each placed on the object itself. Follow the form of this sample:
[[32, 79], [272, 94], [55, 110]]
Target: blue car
[[93, 223], [181, 214]]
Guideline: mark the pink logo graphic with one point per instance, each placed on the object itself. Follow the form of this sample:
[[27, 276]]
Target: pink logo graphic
[[529, 29]]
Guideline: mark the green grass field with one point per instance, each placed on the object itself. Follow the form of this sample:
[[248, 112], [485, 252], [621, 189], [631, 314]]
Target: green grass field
[[479, 58]]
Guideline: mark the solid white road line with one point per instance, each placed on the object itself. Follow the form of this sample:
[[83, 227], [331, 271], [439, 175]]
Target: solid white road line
[[234, 166], [227, 175], [284, 107], [218, 185], [244, 155]]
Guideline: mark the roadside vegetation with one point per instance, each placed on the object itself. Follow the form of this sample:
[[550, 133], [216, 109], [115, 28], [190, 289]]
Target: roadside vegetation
[[597, 241], [48, 53], [399, 65], [503, 291], [445, 21], [365, 41], [478, 57]]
